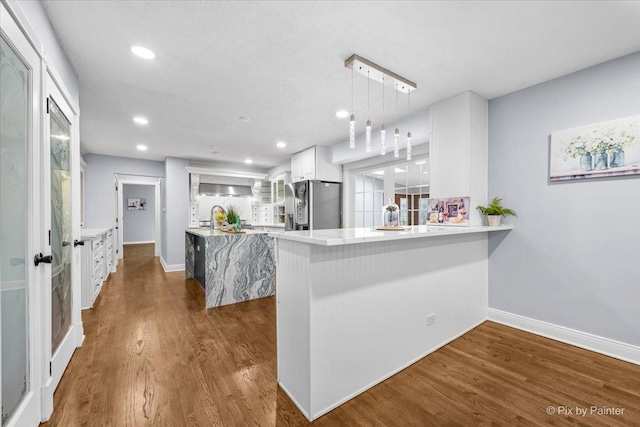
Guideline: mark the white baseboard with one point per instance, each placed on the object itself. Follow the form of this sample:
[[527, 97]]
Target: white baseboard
[[169, 268], [295, 402], [606, 346], [387, 376], [145, 242]]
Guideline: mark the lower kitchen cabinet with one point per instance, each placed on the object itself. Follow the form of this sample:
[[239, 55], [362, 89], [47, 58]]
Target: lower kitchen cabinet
[[98, 261]]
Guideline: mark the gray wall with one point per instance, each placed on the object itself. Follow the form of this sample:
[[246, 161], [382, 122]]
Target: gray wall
[[100, 186], [175, 215], [39, 20], [138, 226], [572, 259]]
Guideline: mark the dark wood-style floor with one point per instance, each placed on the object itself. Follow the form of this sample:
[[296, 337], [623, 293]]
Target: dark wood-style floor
[[153, 355]]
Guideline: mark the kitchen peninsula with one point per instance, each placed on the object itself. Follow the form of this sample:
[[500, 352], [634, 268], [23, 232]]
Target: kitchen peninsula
[[355, 306], [230, 267]]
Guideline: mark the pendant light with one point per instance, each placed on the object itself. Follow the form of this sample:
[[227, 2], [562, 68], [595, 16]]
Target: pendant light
[[409, 129], [367, 140], [383, 129], [382, 75], [352, 120], [396, 135]]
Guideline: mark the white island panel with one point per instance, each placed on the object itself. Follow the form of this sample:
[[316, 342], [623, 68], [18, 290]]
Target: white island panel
[[351, 315]]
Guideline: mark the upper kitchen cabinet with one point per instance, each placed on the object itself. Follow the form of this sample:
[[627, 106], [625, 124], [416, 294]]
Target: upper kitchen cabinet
[[315, 164], [277, 187]]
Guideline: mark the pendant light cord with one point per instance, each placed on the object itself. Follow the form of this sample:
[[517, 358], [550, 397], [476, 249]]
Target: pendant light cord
[[368, 80], [396, 105], [383, 100], [352, 92], [409, 112]]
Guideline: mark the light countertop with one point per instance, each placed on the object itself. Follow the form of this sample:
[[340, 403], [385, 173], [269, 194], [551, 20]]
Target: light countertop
[[207, 232], [90, 233], [347, 236]]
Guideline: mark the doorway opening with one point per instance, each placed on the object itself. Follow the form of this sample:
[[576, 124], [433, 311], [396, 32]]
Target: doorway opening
[[138, 214], [138, 219]]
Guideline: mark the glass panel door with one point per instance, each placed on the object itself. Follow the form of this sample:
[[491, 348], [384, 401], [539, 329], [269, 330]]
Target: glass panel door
[[14, 230], [61, 231]]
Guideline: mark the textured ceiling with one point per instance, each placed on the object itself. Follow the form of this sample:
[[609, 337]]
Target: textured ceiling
[[282, 65]]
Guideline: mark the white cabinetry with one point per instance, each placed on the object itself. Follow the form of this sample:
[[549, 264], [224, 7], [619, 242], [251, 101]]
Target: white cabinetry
[[265, 215], [98, 261], [315, 163]]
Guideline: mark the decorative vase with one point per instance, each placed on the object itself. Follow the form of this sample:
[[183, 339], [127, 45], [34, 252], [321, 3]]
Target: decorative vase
[[617, 158], [600, 160], [586, 162], [494, 220], [390, 214]]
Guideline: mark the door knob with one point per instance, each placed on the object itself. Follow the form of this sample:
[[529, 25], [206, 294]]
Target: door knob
[[78, 243], [42, 259]]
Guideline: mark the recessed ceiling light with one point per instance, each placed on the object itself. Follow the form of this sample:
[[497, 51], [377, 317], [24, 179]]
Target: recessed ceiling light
[[281, 144], [342, 114], [378, 173], [398, 170], [424, 173], [141, 147], [141, 120], [248, 161], [143, 52], [421, 162], [244, 119]]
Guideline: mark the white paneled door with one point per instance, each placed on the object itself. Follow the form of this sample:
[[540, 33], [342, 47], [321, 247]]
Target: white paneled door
[[62, 323], [21, 232]]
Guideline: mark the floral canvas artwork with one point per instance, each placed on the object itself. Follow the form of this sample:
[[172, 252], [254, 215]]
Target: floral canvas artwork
[[452, 211], [596, 151]]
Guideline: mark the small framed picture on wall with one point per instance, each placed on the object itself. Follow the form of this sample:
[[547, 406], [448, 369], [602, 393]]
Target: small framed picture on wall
[[137, 204]]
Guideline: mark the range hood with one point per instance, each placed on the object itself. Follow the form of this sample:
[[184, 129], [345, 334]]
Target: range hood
[[224, 190]]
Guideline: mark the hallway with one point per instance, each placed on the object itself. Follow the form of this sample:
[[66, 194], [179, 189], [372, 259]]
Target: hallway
[[154, 356]]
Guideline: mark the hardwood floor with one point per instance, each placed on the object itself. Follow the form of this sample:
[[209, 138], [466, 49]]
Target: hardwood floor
[[153, 355]]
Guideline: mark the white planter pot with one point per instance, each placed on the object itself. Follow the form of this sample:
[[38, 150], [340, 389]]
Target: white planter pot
[[494, 220]]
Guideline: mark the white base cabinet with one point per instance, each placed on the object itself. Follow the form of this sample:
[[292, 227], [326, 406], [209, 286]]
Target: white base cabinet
[[98, 261]]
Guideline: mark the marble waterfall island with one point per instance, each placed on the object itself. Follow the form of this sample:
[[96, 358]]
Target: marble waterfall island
[[231, 268]]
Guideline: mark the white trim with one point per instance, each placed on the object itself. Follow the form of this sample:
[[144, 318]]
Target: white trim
[[145, 242], [138, 180], [226, 172], [387, 376], [608, 347], [169, 268], [295, 402]]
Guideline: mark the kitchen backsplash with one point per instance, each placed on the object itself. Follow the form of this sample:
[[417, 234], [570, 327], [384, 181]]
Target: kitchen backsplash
[[243, 205]]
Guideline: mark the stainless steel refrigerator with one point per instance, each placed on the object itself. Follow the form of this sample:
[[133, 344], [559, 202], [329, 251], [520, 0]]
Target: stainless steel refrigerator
[[313, 205]]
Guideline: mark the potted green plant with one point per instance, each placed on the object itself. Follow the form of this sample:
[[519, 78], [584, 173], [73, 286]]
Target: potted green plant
[[232, 215], [495, 211]]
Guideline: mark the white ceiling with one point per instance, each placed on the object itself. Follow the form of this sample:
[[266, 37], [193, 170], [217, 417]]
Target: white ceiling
[[282, 65]]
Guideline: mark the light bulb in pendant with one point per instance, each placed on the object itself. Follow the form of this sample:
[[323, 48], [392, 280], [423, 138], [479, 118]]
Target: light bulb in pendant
[[396, 145], [352, 132], [408, 145], [383, 140], [367, 141]]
